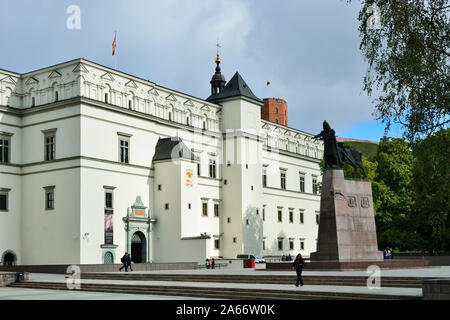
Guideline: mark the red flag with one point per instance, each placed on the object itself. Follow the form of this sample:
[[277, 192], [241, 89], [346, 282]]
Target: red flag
[[114, 45]]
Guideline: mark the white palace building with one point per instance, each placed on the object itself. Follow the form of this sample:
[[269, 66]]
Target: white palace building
[[95, 162]]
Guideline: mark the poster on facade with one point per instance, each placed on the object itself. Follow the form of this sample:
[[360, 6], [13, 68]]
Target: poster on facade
[[189, 178], [109, 227]]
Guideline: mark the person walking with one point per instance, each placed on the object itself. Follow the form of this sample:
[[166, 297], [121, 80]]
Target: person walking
[[391, 253], [213, 264], [124, 261], [129, 261], [207, 264], [298, 267]]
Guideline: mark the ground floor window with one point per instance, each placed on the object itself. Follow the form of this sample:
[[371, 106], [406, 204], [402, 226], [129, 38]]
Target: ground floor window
[[9, 259], [109, 258]]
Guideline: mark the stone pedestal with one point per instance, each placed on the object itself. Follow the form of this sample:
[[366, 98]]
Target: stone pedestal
[[347, 229]]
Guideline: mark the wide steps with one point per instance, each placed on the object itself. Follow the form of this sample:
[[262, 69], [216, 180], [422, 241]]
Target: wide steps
[[397, 282], [208, 292]]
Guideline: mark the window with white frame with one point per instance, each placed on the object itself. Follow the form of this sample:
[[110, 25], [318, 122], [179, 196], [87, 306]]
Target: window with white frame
[[49, 144], [315, 185], [49, 197], [302, 216], [4, 193], [5, 147], [302, 182], [212, 168], [283, 179], [124, 147]]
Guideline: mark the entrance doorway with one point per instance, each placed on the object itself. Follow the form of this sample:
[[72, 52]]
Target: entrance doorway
[[9, 259], [138, 247]]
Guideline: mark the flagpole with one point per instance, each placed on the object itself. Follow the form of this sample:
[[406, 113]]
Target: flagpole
[[115, 55]]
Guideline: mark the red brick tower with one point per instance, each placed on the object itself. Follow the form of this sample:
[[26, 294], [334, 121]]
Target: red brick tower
[[275, 110]]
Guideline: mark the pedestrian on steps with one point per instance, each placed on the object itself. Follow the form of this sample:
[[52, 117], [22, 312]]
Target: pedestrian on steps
[[298, 267]]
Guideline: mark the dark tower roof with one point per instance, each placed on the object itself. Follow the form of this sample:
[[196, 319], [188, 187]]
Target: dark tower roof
[[172, 148], [217, 80], [234, 88]]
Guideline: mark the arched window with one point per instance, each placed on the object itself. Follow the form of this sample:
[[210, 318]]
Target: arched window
[[170, 116], [56, 96], [187, 120], [106, 98], [33, 101], [109, 258], [129, 104]]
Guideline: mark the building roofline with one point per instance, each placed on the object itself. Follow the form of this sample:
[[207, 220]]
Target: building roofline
[[84, 60]]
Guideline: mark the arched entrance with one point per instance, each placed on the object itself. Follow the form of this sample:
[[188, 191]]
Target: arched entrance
[[9, 258], [138, 247]]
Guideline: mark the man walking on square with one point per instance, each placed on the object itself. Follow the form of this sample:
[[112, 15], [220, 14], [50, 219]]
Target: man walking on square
[[129, 261], [298, 267], [124, 261]]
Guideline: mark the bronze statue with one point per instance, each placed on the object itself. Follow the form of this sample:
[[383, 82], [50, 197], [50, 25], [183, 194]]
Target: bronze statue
[[331, 153], [336, 153]]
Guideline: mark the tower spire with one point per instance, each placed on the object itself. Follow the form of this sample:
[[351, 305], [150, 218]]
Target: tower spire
[[218, 80]]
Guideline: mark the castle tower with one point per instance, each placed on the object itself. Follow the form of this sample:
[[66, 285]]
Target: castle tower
[[217, 80], [275, 110]]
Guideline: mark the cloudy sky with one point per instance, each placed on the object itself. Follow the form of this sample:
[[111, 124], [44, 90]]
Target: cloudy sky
[[307, 49]]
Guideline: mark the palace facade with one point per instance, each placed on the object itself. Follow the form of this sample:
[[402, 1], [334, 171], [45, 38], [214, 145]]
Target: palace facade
[[95, 162]]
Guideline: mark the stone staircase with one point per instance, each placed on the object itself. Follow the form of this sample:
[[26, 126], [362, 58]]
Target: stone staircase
[[397, 282], [212, 292]]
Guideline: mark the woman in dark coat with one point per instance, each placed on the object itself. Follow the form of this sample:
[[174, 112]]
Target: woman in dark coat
[[298, 267]]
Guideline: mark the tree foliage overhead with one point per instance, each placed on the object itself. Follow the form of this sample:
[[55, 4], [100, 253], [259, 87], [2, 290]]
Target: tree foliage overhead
[[408, 58]]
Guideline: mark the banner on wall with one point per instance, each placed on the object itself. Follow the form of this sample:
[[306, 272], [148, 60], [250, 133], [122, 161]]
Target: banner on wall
[[109, 227], [189, 177]]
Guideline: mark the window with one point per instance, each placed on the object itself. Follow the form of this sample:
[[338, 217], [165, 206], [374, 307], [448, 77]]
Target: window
[[33, 101], [302, 244], [49, 198], [166, 206], [205, 209], [106, 98], [189, 206], [302, 182], [198, 168], [5, 144], [56, 96], [229, 220], [264, 213], [283, 179], [280, 215], [124, 147], [50, 144], [264, 245], [264, 177], [159, 187], [302, 216], [170, 116], [280, 244], [108, 199], [4, 199], [129, 104], [212, 168], [291, 216], [216, 244], [314, 185], [234, 240], [317, 218], [276, 110], [291, 244], [216, 209]]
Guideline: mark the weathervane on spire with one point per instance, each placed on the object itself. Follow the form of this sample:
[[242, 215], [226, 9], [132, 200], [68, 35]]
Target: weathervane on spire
[[218, 45]]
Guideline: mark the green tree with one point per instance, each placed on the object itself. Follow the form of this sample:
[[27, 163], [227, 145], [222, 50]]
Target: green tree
[[432, 187], [393, 194], [408, 56]]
